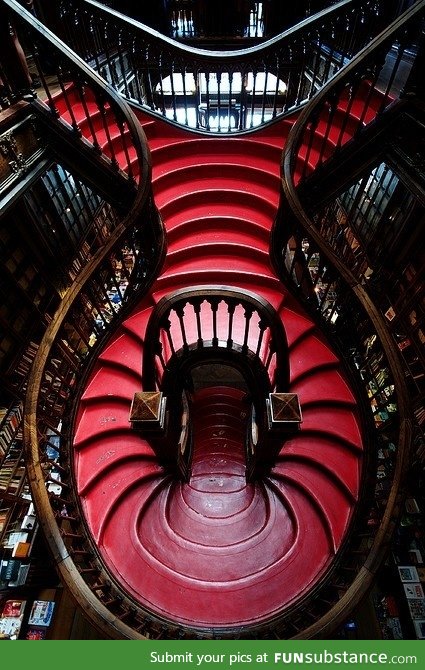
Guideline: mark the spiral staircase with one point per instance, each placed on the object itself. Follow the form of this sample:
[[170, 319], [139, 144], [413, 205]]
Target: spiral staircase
[[216, 548]]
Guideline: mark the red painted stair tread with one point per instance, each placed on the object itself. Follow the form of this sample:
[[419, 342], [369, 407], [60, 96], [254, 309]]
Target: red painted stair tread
[[333, 388], [105, 416], [338, 422], [113, 379], [318, 355], [340, 458], [105, 452]]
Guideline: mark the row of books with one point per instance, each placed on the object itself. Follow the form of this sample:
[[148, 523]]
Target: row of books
[[12, 475], [412, 578], [16, 548], [10, 421], [14, 615], [25, 360], [13, 572]]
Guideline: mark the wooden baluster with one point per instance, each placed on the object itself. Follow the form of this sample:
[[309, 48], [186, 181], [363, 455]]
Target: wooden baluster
[[248, 312], [179, 310], [231, 306], [262, 325], [214, 307], [197, 310]]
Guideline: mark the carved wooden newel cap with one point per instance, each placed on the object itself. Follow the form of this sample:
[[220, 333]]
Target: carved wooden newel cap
[[147, 410], [284, 411]]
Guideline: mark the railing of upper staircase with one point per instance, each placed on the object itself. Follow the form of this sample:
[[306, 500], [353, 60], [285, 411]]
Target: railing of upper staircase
[[218, 91], [117, 265], [233, 19], [230, 327], [320, 259]]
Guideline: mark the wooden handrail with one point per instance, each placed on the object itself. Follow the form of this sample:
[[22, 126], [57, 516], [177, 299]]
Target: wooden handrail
[[78, 84], [294, 192], [252, 303], [219, 91]]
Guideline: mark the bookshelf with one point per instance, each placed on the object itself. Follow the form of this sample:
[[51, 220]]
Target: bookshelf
[[18, 524]]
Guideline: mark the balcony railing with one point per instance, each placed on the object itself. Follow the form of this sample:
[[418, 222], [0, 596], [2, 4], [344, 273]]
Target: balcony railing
[[218, 91], [314, 259]]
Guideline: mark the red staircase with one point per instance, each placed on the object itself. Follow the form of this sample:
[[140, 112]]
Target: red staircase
[[216, 551]]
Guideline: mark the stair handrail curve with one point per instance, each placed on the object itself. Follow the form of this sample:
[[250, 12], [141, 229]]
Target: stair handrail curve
[[63, 360], [271, 341], [134, 244], [214, 91], [296, 238], [78, 85]]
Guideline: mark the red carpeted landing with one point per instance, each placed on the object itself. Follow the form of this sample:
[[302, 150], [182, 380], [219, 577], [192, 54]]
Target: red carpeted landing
[[216, 551]]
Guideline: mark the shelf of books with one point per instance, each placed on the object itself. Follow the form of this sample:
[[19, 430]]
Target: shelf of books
[[26, 619], [399, 594], [18, 525]]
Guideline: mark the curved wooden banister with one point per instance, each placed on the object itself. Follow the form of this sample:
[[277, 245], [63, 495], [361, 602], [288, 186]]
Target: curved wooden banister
[[78, 84], [271, 337], [218, 91], [296, 238], [134, 242]]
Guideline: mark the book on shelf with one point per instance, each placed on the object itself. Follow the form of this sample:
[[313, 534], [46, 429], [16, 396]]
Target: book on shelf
[[420, 628], [41, 613], [394, 626], [9, 569], [14, 537], [36, 634], [13, 608], [28, 522], [417, 608], [21, 579], [11, 618], [21, 550], [408, 573], [10, 627], [413, 590], [412, 506]]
